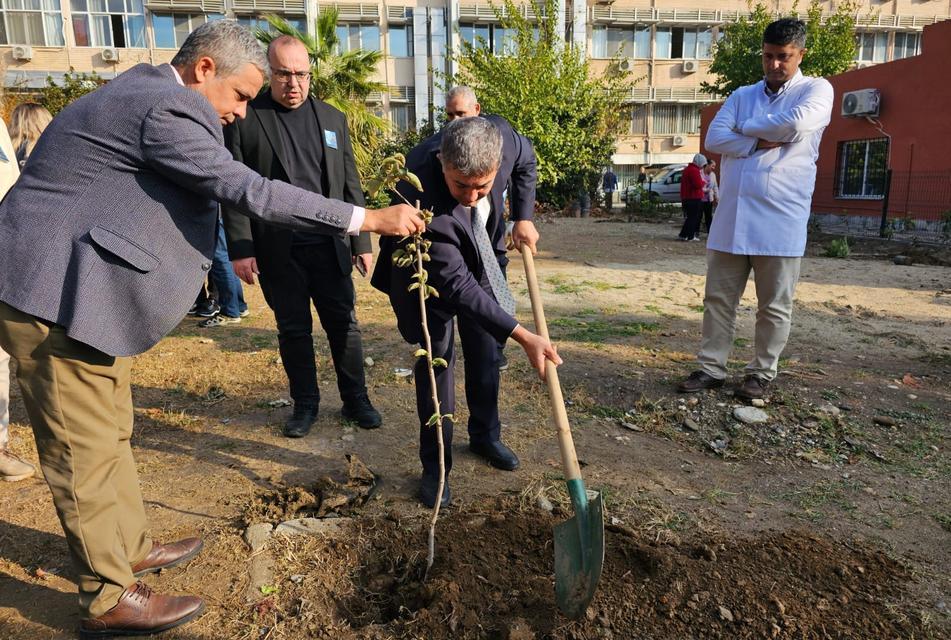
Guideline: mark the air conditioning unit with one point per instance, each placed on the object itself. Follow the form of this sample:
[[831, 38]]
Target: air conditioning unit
[[863, 65], [862, 103], [690, 66], [110, 54], [23, 52], [625, 64], [679, 141]]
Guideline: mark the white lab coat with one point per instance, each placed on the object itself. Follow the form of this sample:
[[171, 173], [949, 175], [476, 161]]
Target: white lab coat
[[766, 195]]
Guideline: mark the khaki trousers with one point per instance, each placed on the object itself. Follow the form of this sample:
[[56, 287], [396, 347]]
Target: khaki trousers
[[79, 401], [775, 279], [4, 399]]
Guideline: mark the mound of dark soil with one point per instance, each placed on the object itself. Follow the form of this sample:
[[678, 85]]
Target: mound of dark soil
[[493, 578]]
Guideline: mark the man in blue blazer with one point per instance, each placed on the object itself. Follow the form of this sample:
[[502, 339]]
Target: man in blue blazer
[[460, 188], [106, 237]]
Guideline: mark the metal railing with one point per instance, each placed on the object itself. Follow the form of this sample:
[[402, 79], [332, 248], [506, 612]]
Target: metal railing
[[912, 205]]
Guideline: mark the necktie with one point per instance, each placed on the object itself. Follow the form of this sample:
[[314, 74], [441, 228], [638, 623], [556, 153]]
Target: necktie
[[500, 288]]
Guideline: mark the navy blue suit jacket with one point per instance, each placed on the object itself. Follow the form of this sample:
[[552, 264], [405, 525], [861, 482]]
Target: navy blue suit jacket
[[455, 269]]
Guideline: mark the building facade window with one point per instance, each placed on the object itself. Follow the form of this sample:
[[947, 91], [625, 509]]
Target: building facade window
[[109, 23], [500, 40], [403, 116], [171, 29], [862, 165], [676, 118], [674, 43], [628, 42], [401, 40], [252, 22], [638, 120], [906, 45], [33, 22], [358, 36], [871, 47]]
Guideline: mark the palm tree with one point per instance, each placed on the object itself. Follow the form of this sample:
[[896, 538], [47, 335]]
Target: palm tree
[[342, 80]]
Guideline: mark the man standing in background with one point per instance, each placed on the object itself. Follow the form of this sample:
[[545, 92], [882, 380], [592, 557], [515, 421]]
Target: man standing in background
[[289, 136], [768, 135]]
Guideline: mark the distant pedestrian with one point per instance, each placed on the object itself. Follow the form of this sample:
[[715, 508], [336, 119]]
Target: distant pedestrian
[[691, 197], [26, 124], [609, 185], [711, 193], [768, 136]]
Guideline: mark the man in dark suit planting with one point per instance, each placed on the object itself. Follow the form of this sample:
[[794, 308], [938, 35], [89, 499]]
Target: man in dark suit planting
[[458, 180]]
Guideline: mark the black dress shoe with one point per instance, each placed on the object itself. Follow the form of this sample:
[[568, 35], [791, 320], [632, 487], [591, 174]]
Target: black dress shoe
[[298, 425], [428, 486], [496, 453], [360, 410]]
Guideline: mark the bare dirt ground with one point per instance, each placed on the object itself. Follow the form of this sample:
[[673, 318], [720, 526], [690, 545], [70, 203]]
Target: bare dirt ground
[[831, 520]]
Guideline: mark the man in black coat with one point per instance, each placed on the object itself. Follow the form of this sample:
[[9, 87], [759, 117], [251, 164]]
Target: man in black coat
[[460, 188], [292, 137]]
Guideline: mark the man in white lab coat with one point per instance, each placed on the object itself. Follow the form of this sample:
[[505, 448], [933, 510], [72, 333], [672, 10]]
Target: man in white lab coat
[[768, 135]]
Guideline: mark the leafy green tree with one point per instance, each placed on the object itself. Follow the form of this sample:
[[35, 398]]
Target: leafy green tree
[[547, 90], [342, 80], [56, 97], [830, 45]]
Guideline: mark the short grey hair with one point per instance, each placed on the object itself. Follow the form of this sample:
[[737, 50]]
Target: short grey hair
[[471, 146], [464, 92], [226, 42]]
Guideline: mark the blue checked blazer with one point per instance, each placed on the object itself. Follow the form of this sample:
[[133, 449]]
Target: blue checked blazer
[[111, 228]]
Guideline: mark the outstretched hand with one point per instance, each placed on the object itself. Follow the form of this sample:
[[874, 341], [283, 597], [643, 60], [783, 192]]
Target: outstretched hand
[[399, 220]]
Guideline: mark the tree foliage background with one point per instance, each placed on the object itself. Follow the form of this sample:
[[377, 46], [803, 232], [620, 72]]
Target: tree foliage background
[[830, 45], [546, 89], [343, 80]]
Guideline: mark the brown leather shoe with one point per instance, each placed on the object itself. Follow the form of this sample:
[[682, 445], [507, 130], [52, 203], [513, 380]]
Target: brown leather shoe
[[752, 388], [164, 556], [141, 612], [698, 381]]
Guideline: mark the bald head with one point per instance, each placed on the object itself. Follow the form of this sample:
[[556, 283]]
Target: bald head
[[461, 102], [290, 71]]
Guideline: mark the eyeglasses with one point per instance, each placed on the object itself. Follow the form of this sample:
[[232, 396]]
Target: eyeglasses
[[285, 76]]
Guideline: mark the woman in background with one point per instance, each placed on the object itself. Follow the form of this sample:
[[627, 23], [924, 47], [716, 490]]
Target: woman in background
[[26, 124]]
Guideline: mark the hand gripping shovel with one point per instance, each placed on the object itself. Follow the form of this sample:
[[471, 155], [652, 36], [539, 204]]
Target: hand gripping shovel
[[579, 541]]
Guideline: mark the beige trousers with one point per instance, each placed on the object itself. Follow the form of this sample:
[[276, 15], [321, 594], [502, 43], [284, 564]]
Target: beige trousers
[[79, 401], [775, 279], [4, 399]]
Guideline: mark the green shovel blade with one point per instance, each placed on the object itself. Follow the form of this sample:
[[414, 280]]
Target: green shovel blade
[[579, 552]]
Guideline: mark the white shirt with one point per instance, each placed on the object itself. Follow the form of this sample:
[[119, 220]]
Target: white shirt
[[766, 195]]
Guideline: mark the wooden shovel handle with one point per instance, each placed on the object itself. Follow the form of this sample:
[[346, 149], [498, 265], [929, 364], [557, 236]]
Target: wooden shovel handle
[[566, 444]]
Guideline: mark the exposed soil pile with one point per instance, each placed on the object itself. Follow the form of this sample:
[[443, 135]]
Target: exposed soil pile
[[323, 498], [493, 579]]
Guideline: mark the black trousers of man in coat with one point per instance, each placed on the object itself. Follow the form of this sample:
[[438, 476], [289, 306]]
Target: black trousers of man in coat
[[313, 274]]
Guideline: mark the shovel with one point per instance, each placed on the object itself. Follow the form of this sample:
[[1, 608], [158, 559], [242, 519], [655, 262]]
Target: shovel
[[579, 541]]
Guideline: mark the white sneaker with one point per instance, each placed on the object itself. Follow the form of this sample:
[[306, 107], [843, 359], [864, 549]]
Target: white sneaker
[[13, 469]]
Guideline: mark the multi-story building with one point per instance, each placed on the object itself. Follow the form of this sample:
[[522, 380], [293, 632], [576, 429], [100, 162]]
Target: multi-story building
[[666, 44]]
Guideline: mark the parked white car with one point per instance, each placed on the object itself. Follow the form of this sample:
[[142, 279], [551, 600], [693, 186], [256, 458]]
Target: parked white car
[[665, 186]]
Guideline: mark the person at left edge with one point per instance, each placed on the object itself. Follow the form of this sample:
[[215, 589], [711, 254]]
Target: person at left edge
[[106, 237], [288, 135]]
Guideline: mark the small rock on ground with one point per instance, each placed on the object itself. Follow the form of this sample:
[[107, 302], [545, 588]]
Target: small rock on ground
[[313, 526], [750, 415], [257, 534], [726, 614]]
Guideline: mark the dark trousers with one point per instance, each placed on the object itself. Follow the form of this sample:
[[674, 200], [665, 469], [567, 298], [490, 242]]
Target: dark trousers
[[707, 215], [692, 215], [313, 274], [480, 354]]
